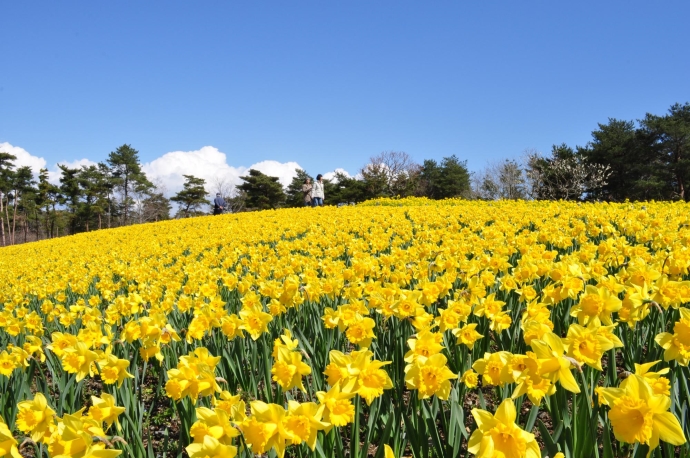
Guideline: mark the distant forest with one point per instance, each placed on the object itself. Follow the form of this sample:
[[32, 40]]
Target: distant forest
[[647, 159]]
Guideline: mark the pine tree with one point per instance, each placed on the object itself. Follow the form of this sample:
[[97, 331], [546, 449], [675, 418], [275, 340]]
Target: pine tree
[[263, 191], [128, 176], [192, 196], [295, 196]]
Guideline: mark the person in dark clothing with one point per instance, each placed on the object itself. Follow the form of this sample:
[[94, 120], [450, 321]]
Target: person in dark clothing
[[218, 204]]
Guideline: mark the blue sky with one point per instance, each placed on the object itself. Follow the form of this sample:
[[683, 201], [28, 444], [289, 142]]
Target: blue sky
[[328, 84]]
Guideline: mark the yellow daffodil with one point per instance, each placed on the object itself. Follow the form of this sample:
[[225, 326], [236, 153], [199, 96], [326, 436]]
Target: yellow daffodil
[[586, 345], [470, 378], [597, 305], [639, 416], [339, 410], [493, 368], [211, 448], [104, 409], [467, 335], [263, 430], [8, 444], [554, 365], [34, 417], [114, 370], [677, 345], [215, 423], [424, 345], [289, 369], [430, 377], [302, 423], [498, 436]]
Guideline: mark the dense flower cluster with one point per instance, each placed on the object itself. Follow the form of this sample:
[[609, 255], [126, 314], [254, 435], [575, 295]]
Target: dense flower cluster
[[375, 325]]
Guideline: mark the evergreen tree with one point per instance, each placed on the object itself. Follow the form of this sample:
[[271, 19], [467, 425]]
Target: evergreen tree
[[375, 180], [6, 166], [620, 146], [22, 182], [47, 198], [263, 191], [95, 185], [72, 193], [344, 189], [294, 195], [128, 176], [669, 140], [107, 190], [192, 196], [430, 178], [454, 178]]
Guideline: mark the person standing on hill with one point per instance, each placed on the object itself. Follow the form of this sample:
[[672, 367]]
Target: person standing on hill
[[317, 191], [218, 204], [306, 192]]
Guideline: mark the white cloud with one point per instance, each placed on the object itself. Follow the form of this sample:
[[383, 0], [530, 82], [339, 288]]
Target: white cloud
[[211, 165], [284, 171], [55, 172], [24, 158], [77, 164], [331, 175], [207, 163]]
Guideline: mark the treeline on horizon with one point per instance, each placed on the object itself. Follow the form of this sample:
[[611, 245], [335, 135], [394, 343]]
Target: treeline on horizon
[[647, 159]]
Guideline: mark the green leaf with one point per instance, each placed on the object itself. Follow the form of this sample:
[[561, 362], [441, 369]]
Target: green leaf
[[549, 443]]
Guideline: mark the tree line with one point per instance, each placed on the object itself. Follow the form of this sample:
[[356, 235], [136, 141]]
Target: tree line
[[647, 159], [112, 193], [635, 160]]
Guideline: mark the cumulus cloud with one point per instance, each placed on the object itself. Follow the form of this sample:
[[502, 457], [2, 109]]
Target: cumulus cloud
[[285, 171], [331, 175], [55, 172], [24, 158], [207, 163], [212, 165]]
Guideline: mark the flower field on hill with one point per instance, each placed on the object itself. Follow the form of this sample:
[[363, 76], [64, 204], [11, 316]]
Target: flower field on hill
[[392, 328]]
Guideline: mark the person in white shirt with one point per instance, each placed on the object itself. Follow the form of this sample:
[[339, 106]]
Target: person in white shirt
[[317, 191]]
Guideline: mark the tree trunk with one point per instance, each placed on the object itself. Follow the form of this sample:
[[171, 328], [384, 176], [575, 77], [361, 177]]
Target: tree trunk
[[38, 224], [2, 223], [7, 216], [681, 188], [49, 231], [99, 221], [125, 201], [14, 215], [677, 157], [54, 228]]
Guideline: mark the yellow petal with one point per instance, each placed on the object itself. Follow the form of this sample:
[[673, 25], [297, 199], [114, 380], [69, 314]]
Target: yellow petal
[[533, 450], [484, 419], [568, 381], [388, 451], [506, 412], [554, 342], [669, 428]]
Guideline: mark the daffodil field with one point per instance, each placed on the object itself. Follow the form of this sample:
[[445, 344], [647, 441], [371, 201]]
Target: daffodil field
[[393, 328]]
